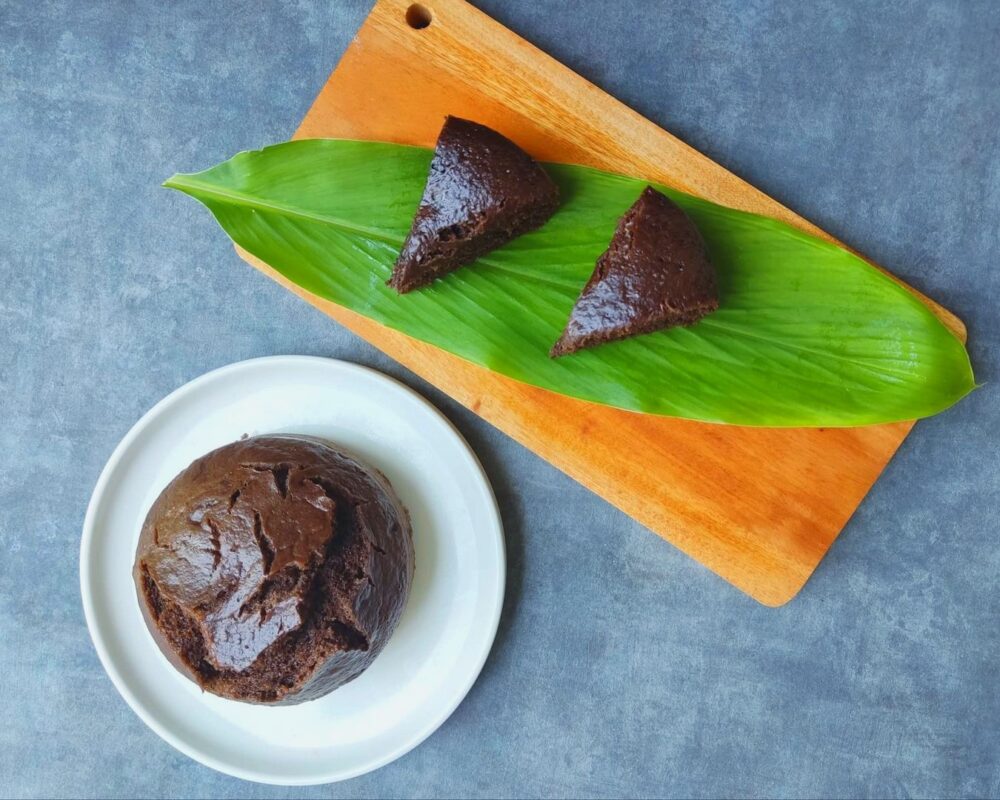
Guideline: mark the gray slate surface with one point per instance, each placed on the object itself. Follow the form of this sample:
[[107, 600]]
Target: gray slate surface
[[622, 667]]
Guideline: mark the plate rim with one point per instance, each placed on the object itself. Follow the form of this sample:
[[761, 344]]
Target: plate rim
[[87, 546]]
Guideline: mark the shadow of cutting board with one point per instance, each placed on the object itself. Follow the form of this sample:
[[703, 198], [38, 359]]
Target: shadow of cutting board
[[760, 507]]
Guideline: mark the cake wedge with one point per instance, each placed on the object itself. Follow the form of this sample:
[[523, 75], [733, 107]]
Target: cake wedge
[[482, 192], [655, 274]]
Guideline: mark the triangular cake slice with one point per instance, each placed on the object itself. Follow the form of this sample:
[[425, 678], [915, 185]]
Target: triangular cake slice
[[655, 274], [483, 190]]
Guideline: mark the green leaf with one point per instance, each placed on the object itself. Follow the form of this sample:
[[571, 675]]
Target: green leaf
[[807, 333]]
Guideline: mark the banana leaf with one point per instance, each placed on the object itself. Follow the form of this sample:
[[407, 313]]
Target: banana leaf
[[807, 334]]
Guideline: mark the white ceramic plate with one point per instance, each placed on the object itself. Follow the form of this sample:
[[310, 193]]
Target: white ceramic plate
[[450, 620]]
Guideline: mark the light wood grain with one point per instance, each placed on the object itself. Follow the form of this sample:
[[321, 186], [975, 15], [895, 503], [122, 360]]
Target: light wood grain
[[760, 507]]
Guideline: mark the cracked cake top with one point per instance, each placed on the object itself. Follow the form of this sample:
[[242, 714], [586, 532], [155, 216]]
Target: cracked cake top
[[269, 559]]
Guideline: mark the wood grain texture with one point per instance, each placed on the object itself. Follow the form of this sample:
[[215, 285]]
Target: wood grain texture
[[760, 507]]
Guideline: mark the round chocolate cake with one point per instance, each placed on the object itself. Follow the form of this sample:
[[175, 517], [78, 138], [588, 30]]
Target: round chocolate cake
[[274, 569]]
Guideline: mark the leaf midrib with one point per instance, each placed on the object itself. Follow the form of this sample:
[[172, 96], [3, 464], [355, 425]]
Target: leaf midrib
[[200, 189], [191, 185]]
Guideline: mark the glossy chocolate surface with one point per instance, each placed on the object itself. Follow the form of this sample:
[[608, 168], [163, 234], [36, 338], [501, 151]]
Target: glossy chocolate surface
[[482, 191], [655, 274], [266, 551]]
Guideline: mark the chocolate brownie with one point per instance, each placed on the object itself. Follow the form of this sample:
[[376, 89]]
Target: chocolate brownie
[[655, 274], [274, 569], [482, 191]]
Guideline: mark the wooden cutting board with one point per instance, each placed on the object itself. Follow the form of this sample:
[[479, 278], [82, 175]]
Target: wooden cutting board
[[760, 507]]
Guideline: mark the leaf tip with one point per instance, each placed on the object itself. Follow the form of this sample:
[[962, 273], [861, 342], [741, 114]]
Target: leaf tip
[[173, 182]]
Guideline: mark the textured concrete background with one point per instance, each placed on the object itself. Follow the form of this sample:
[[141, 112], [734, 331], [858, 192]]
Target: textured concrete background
[[622, 667]]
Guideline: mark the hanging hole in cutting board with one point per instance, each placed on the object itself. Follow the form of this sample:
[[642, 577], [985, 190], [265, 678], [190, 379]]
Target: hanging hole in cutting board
[[418, 16]]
